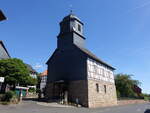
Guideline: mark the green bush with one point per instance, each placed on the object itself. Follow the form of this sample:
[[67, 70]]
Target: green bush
[[8, 96], [5, 103], [32, 90], [1, 96], [125, 85], [146, 98], [118, 94]]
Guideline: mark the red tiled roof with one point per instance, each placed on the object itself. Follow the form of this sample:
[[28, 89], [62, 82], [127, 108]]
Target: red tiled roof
[[44, 73]]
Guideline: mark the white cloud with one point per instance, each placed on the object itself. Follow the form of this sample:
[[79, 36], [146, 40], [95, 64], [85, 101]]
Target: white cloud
[[140, 6], [38, 66], [143, 5]]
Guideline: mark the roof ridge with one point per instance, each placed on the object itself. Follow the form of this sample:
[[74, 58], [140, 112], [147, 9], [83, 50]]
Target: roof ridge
[[89, 53]]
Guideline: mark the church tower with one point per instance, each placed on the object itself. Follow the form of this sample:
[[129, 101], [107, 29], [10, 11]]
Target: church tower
[[75, 74], [71, 32]]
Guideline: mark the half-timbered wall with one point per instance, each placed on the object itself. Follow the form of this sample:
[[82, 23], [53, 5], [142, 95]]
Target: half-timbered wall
[[99, 71]]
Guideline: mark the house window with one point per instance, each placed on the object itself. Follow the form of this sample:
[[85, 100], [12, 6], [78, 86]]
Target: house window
[[97, 87], [79, 27], [105, 90]]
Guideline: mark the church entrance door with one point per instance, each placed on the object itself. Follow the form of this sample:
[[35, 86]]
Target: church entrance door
[[60, 91]]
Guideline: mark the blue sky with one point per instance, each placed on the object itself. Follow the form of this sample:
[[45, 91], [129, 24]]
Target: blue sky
[[117, 31]]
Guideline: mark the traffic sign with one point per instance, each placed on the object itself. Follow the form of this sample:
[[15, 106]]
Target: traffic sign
[[2, 79]]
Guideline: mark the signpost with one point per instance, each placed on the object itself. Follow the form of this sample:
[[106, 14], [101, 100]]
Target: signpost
[[1, 81]]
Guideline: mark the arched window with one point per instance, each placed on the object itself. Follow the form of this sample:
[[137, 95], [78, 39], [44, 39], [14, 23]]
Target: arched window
[[97, 87]]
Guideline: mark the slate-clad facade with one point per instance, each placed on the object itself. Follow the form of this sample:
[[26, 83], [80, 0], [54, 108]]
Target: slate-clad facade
[[3, 51], [77, 74], [2, 16]]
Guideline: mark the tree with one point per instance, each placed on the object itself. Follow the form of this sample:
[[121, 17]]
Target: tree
[[15, 72], [125, 85]]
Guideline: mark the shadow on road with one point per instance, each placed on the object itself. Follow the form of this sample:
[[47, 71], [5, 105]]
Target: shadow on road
[[34, 99], [41, 100], [147, 111]]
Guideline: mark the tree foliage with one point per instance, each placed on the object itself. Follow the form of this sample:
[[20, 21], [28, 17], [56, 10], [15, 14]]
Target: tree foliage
[[15, 72], [124, 85]]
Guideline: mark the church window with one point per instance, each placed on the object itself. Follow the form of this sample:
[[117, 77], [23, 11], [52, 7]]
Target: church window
[[105, 90], [97, 87], [79, 27]]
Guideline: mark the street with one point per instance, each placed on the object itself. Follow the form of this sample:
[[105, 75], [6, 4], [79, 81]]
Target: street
[[32, 107]]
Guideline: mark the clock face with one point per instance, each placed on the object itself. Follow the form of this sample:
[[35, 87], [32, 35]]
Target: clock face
[[99, 72]]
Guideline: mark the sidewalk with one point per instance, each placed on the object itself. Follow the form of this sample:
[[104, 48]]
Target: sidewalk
[[54, 104]]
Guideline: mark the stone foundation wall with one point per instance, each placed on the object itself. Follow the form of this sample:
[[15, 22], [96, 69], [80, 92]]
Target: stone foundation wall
[[101, 98], [126, 102], [86, 93], [79, 90]]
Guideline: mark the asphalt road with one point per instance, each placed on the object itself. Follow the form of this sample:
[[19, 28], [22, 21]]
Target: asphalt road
[[33, 107]]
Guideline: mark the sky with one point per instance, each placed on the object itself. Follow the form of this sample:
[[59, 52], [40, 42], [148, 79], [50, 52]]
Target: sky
[[117, 31]]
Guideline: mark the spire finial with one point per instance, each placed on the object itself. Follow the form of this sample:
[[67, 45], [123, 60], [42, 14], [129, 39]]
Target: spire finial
[[70, 8], [71, 11]]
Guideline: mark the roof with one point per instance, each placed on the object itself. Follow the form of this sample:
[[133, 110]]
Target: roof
[[30, 68], [71, 17], [2, 16], [45, 73], [19, 87], [52, 55], [90, 54], [1, 42]]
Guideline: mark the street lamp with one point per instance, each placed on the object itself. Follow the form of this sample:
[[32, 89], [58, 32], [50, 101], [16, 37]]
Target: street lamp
[[2, 16]]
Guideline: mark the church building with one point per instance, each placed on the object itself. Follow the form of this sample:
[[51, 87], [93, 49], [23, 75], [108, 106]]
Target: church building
[[75, 74]]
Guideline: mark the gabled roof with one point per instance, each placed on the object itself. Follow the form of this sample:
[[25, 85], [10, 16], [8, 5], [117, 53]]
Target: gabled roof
[[72, 17], [45, 73], [2, 16], [4, 48], [30, 68], [90, 54]]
